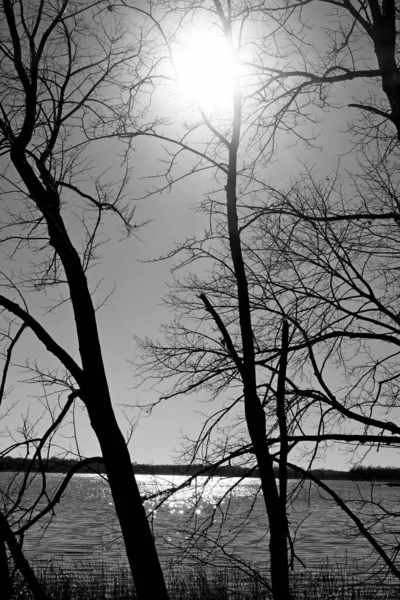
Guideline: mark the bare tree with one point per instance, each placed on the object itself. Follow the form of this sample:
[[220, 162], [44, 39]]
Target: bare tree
[[353, 41], [304, 255], [235, 347], [70, 71], [25, 495]]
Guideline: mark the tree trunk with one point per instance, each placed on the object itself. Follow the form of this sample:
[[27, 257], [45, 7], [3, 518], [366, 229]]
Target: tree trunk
[[254, 412], [276, 513], [20, 561], [94, 392], [5, 578], [383, 33], [138, 539]]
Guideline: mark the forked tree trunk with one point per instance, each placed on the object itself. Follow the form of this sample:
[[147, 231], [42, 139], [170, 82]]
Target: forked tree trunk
[[254, 412], [278, 526], [255, 417]]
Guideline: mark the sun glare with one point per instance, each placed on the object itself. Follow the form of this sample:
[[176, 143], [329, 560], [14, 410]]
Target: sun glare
[[206, 71]]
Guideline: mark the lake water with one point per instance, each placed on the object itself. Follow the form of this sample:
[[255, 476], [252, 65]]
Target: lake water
[[209, 515]]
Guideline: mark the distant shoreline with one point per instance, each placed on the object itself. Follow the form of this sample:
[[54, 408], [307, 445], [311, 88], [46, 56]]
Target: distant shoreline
[[57, 465]]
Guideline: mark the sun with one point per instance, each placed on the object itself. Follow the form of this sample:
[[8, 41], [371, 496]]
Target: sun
[[206, 70]]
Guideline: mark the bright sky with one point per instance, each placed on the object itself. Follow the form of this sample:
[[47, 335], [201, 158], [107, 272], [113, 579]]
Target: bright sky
[[137, 287]]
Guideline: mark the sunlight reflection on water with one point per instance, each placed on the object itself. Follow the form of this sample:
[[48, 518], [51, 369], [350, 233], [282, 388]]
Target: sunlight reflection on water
[[205, 517]]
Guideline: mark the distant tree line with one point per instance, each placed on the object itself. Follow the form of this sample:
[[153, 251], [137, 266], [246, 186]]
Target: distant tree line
[[375, 473], [63, 465]]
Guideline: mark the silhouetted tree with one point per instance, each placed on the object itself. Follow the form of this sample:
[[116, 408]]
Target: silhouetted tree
[[312, 254], [69, 72]]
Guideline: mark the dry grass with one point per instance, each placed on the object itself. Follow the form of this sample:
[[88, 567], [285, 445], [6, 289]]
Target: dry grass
[[326, 581]]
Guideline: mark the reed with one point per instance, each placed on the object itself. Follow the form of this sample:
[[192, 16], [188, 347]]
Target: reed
[[328, 580]]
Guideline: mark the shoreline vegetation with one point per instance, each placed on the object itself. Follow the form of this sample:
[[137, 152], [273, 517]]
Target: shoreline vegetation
[[60, 465], [339, 579]]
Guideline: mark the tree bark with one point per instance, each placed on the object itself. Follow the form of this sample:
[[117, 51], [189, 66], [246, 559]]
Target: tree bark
[[5, 578]]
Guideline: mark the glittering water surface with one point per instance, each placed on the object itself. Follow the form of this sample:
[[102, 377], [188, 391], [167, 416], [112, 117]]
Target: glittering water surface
[[213, 517]]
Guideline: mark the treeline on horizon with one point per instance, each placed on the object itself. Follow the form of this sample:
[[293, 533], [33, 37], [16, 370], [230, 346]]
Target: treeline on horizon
[[63, 465]]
